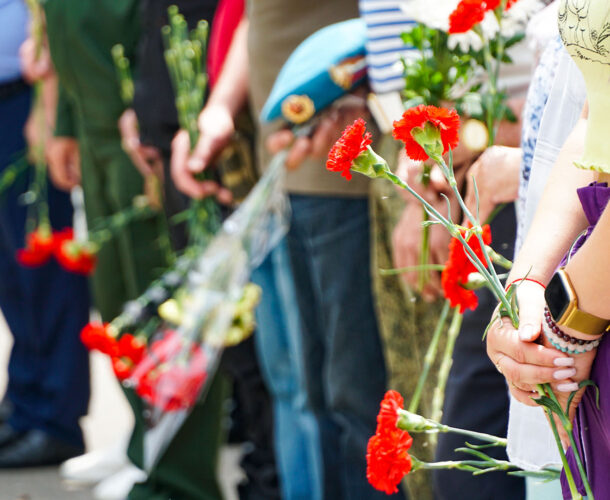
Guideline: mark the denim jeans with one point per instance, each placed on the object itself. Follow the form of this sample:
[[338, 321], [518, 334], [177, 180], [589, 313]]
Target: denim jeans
[[279, 345], [344, 366]]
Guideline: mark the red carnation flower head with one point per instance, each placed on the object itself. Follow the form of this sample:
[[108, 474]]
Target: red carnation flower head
[[353, 142], [98, 336], [388, 410], [459, 267], [73, 256], [466, 15], [173, 387], [38, 247], [122, 368], [131, 347], [388, 459], [436, 128], [492, 4]]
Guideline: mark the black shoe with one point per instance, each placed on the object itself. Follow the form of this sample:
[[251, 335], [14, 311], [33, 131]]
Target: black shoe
[[36, 448], [6, 408], [8, 435]]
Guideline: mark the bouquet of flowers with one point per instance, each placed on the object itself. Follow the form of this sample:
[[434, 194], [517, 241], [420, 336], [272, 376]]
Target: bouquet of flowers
[[429, 132]]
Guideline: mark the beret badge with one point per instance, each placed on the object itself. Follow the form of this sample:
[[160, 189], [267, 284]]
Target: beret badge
[[298, 109]]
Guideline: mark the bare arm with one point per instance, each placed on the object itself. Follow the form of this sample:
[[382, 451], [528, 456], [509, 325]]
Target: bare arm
[[559, 218]]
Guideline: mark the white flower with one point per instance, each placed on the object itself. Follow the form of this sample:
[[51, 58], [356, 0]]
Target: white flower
[[513, 22], [436, 17]]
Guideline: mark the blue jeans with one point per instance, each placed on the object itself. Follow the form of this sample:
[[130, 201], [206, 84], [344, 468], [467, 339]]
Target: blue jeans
[[279, 346], [344, 366], [45, 308]]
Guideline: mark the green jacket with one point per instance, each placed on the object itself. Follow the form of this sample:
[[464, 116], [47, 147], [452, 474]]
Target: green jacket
[[81, 36]]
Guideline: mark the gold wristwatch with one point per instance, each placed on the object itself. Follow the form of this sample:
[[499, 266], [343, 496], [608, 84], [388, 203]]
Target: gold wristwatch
[[563, 305]]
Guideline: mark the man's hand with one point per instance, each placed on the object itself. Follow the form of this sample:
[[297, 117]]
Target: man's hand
[[406, 246], [35, 64], [407, 235], [64, 162], [332, 124], [496, 173], [216, 128], [147, 159]]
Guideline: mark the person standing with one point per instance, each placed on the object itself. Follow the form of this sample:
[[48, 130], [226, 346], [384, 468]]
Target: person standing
[[46, 307], [328, 253]]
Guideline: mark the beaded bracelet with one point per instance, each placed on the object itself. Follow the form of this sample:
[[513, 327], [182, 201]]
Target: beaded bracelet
[[564, 342]]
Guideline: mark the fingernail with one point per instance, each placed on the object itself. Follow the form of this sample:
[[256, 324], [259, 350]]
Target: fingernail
[[526, 332], [569, 387], [562, 374], [194, 164], [563, 361]]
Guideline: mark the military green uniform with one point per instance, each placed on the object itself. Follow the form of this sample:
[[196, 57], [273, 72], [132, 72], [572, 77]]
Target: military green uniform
[[81, 35]]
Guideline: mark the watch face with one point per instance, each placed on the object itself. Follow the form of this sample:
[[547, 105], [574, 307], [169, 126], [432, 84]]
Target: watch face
[[557, 297]]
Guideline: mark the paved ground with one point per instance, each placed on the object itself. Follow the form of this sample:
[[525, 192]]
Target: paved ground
[[109, 419]]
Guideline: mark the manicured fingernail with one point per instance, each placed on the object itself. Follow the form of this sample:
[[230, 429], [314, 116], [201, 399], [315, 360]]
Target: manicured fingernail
[[526, 332], [562, 374], [563, 361], [570, 387]]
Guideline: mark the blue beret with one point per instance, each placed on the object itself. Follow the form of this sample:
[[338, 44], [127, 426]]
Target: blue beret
[[325, 66]]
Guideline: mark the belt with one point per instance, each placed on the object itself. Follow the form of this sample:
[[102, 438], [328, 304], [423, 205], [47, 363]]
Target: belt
[[12, 88]]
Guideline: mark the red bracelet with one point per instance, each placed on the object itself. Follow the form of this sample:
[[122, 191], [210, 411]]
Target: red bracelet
[[524, 279]]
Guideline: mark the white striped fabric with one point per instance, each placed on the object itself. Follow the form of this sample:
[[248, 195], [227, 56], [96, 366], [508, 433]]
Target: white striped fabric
[[385, 22]]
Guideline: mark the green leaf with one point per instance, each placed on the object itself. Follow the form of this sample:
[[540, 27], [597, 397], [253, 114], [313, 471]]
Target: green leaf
[[550, 405]]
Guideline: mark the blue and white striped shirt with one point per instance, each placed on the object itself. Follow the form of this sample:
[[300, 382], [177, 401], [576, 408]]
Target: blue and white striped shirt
[[385, 22]]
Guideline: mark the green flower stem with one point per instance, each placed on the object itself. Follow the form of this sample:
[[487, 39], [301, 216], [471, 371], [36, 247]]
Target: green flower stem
[[424, 253], [429, 358], [498, 259], [449, 174], [542, 390], [12, 173], [497, 288], [443, 374], [409, 269], [567, 425]]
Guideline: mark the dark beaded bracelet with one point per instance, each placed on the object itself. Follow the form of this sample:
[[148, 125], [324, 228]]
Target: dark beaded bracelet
[[562, 335]]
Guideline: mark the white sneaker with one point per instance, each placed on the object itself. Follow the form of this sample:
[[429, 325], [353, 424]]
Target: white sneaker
[[95, 466], [118, 486]]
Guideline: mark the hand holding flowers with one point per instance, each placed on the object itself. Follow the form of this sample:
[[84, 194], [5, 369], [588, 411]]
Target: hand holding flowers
[[430, 132]]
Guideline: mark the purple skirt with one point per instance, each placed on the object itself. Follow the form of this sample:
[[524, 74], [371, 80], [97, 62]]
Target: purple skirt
[[592, 424]]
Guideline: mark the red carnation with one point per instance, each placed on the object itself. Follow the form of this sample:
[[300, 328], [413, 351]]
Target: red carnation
[[459, 267], [466, 15], [122, 368], [96, 336], [38, 248], [388, 411], [132, 348], [353, 142], [492, 4], [446, 121], [71, 255], [388, 460], [387, 454]]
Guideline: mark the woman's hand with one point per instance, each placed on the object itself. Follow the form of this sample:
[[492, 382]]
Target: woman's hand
[[523, 362]]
